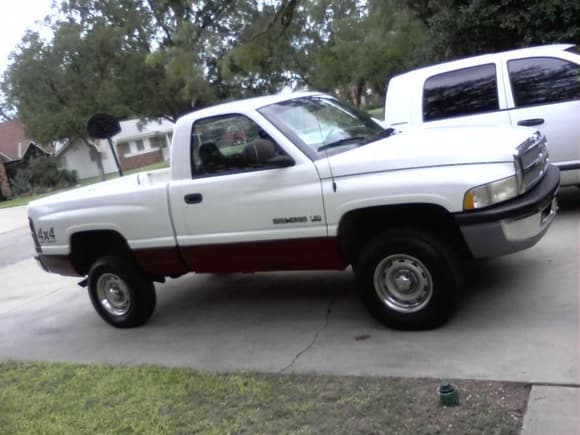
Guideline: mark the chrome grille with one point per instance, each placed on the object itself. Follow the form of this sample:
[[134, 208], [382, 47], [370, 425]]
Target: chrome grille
[[532, 161]]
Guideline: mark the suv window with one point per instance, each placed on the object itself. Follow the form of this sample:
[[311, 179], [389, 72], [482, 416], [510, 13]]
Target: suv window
[[231, 144], [461, 92], [543, 80]]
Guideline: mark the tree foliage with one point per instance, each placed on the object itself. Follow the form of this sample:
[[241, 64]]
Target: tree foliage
[[347, 46], [467, 27], [152, 58]]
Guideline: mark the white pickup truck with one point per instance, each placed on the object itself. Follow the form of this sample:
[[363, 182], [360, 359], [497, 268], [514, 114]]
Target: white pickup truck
[[303, 182], [536, 87]]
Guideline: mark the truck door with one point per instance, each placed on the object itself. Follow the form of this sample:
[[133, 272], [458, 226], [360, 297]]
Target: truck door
[[544, 94], [248, 206]]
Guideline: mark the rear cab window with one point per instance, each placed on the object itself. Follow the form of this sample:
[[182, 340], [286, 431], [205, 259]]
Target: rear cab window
[[543, 80], [461, 92]]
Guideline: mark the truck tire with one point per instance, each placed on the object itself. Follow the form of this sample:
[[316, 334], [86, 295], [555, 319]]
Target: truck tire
[[408, 279], [120, 293]]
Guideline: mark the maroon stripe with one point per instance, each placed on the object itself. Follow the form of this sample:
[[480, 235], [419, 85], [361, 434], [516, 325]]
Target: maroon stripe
[[60, 264], [161, 261], [295, 254]]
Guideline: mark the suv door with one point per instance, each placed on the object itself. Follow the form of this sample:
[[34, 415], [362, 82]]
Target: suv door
[[544, 93], [466, 96], [248, 206]]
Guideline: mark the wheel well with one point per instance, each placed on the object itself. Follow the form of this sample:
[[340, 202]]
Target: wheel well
[[358, 226], [87, 247]]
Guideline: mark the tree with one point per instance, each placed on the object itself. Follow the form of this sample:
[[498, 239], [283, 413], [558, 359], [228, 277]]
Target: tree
[[467, 27], [165, 58], [365, 46], [347, 46], [56, 85]]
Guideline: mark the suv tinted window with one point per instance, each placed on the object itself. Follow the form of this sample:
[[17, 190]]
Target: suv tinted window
[[462, 92], [543, 80]]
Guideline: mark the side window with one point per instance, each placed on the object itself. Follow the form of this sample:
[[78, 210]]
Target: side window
[[231, 144], [543, 80], [467, 91]]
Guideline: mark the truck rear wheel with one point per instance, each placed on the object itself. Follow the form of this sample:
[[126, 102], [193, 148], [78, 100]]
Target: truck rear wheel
[[120, 293], [408, 279]]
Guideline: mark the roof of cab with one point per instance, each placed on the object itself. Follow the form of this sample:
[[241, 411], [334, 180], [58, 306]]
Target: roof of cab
[[241, 105]]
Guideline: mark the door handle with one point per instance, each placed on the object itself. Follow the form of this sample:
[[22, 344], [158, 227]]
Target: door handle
[[193, 198], [531, 122]]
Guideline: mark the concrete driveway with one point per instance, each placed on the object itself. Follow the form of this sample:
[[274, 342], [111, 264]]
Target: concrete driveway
[[518, 321]]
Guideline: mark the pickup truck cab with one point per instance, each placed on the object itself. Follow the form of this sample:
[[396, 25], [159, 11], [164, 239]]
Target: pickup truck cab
[[304, 182], [537, 87]]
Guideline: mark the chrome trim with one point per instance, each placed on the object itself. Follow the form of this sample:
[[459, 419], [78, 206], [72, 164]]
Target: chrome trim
[[531, 160]]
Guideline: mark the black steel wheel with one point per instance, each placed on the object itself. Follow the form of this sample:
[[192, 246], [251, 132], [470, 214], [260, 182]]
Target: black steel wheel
[[408, 279], [120, 293]]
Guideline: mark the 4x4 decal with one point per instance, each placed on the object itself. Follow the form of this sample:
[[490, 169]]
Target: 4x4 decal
[[46, 236]]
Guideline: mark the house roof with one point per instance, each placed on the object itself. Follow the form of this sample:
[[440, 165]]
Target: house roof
[[13, 141]]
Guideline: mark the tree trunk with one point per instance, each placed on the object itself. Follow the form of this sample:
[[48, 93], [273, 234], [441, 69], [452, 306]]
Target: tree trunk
[[97, 158], [5, 190], [356, 90]]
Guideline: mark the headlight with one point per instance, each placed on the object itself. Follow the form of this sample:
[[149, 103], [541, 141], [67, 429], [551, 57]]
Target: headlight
[[491, 193]]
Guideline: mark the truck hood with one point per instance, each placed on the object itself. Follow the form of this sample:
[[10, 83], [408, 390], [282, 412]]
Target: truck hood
[[429, 147]]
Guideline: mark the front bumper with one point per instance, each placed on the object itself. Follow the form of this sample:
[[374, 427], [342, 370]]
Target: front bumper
[[515, 225]]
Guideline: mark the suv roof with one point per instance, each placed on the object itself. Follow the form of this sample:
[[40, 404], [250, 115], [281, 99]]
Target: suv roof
[[474, 60]]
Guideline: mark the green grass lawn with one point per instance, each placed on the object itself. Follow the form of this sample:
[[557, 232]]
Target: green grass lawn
[[54, 398], [24, 200]]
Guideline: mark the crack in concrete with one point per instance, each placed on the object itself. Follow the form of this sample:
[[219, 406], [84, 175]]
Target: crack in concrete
[[314, 338]]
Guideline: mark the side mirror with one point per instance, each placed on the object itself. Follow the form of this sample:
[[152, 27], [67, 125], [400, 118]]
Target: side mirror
[[282, 161]]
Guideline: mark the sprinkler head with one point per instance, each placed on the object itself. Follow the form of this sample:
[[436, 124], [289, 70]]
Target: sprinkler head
[[448, 394]]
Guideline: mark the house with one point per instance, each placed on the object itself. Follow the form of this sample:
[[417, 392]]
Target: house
[[15, 149], [139, 143]]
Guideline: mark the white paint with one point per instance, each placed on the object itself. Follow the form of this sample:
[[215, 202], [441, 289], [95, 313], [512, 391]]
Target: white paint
[[432, 166], [404, 104]]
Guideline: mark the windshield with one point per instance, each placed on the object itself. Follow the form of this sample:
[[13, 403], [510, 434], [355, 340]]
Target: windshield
[[574, 49], [322, 125]]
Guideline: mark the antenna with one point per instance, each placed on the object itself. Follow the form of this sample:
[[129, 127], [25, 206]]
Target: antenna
[[326, 153], [331, 173]]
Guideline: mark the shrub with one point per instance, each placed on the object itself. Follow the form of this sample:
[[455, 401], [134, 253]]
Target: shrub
[[41, 174]]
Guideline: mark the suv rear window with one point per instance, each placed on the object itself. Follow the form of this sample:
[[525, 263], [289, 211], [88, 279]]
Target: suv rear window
[[461, 92], [543, 80]]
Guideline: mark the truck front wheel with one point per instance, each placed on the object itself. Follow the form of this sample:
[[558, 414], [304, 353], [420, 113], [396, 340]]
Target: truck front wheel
[[120, 293], [408, 279]]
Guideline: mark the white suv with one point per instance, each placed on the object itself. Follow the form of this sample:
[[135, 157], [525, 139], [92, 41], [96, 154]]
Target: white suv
[[537, 87]]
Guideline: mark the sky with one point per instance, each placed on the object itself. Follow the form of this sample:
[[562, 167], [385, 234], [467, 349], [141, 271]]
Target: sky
[[15, 17]]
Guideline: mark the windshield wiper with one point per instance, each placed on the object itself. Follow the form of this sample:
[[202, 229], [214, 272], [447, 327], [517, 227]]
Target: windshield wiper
[[340, 142], [381, 135]]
